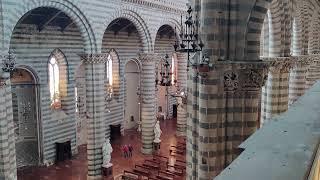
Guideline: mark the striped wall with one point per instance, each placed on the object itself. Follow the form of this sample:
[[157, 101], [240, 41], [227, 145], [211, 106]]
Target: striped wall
[[237, 40], [33, 49], [126, 48]]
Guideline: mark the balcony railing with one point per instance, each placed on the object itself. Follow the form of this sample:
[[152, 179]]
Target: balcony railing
[[286, 148]]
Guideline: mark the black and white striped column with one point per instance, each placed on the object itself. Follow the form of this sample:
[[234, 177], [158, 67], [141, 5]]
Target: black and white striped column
[[148, 94], [95, 104], [182, 81], [8, 168], [297, 83], [275, 100], [192, 126], [313, 73]]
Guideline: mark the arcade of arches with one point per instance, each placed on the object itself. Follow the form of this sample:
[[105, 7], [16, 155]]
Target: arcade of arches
[[87, 71]]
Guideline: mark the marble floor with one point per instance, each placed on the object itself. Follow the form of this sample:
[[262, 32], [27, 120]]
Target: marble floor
[[76, 169]]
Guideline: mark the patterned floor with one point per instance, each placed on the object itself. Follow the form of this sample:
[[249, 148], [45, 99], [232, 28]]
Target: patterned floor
[[76, 169]]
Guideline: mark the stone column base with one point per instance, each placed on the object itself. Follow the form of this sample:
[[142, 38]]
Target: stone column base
[[146, 151], [107, 171], [156, 146], [94, 177], [181, 134]]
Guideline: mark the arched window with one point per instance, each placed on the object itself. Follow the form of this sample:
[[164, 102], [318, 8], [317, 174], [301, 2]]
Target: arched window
[[112, 74], [173, 71], [54, 83], [57, 78], [109, 71]]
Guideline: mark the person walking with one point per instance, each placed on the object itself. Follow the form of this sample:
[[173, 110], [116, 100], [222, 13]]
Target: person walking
[[130, 148], [126, 150]]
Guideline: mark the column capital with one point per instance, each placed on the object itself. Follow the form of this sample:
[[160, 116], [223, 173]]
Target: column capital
[[94, 58], [249, 76], [280, 64], [301, 61], [149, 57]]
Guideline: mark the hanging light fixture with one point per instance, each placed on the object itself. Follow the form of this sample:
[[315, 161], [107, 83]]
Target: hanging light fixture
[[165, 73], [190, 41]]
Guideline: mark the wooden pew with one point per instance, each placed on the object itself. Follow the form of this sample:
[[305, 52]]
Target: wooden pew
[[151, 164], [175, 170], [160, 158], [128, 175], [163, 175], [176, 166], [141, 172]]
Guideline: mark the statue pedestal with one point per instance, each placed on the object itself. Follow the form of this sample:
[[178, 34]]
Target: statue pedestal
[[107, 170], [156, 146]]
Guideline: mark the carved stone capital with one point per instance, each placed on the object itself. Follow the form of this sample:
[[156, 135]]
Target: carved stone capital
[[302, 61], [245, 76], [149, 57], [280, 64], [94, 58], [231, 81], [253, 79]]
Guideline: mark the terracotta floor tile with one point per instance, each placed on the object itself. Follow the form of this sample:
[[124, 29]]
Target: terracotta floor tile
[[76, 169]]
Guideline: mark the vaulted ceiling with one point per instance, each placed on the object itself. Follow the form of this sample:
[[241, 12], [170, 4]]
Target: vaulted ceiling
[[44, 16]]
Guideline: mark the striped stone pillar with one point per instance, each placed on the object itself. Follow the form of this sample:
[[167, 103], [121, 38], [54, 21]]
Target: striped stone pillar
[[192, 126], [284, 86], [223, 111], [182, 81], [297, 82], [8, 168], [148, 94], [210, 156], [313, 73], [242, 104], [95, 105], [275, 100], [270, 103]]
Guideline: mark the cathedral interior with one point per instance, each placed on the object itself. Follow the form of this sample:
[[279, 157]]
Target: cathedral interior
[[160, 89]]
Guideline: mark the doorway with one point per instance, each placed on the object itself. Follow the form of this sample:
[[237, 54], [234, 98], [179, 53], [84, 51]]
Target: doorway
[[132, 105], [26, 118]]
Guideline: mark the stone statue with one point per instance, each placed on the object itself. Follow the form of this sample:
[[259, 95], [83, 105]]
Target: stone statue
[[157, 132], [106, 150]]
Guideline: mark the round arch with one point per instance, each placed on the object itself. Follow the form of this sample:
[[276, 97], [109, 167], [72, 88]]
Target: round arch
[[37, 110], [254, 26], [174, 24], [138, 22], [77, 16], [33, 72]]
